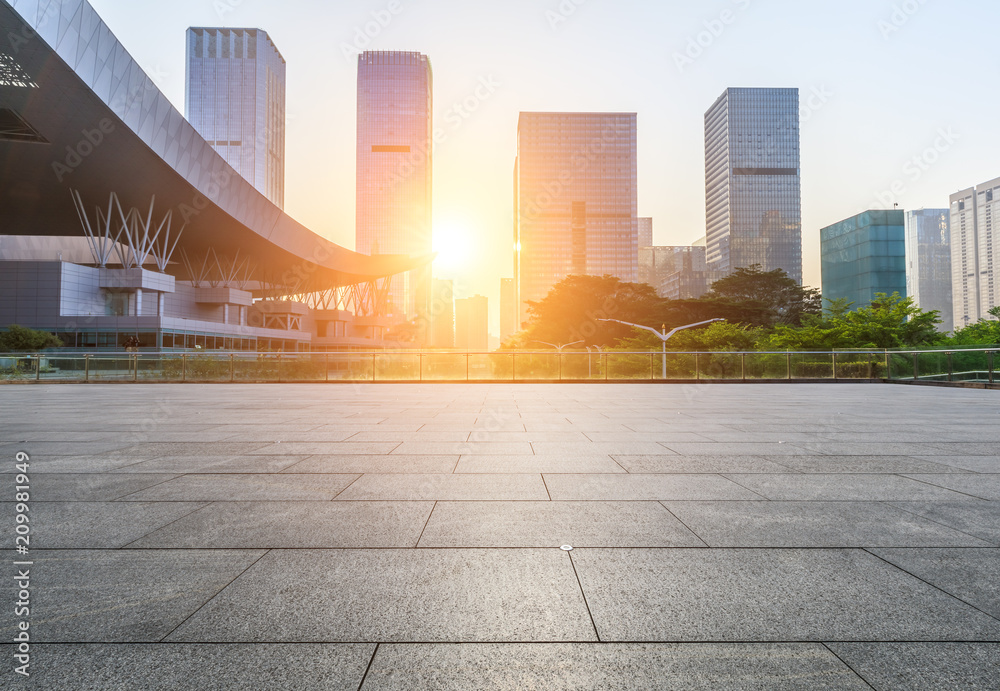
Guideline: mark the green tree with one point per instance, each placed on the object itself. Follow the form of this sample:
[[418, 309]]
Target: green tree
[[767, 298], [891, 321], [983, 333], [574, 308], [19, 339]]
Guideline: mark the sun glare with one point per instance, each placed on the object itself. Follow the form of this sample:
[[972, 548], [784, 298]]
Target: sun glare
[[454, 247]]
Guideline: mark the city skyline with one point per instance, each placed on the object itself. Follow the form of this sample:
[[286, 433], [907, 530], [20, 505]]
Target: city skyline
[[915, 157]]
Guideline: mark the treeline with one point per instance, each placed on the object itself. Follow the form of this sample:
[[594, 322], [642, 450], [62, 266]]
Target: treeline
[[764, 310]]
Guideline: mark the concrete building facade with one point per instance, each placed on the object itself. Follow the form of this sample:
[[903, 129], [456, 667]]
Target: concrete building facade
[[975, 252], [235, 88]]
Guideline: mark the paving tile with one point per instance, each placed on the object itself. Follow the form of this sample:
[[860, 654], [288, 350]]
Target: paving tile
[[862, 464], [963, 449], [398, 595], [400, 437], [552, 524], [464, 448], [968, 574], [286, 436], [115, 596], [982, 486], [611, 448], [44, 465], [657, 436], [306, 448], [636, 487], [196, 667], [973, 464], [869, 449], [737, 449], [813, 524], [214, 464], [51, 447], [621, 667], [234, 487], [153, 450], [447, 488], [700, 464], [90, 486], [390, 464], [842, 487], [767, 595], [980, 519], [294, 525], [923, 666], [93, 525], [538, 464]]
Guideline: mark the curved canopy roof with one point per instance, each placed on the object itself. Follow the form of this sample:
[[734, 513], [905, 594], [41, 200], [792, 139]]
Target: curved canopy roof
[[77, 112]]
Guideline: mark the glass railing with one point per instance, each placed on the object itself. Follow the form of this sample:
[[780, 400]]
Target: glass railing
[[971, 365]]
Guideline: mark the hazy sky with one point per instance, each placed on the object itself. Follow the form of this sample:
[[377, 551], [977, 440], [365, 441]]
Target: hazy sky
[[897, 94]]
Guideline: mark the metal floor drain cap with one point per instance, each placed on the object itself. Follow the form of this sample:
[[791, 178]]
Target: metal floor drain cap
[[567, 548]]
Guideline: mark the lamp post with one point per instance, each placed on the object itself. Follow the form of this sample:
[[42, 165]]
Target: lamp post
[[590, 361], [663, 336], [558, 347]]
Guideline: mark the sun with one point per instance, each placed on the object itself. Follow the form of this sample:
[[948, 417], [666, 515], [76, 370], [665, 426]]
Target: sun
[[454, 246]]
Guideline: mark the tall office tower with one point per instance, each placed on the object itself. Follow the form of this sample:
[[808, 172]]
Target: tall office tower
[[928, 262], [508, 309], [394, 173], [975, 252], [645, 232], [575, 200], [863, 256], [472, 324], [753, 183], [236, 101], [442, 312]]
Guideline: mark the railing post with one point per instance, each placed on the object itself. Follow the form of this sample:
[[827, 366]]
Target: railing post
[[184, 367], [232, 367], [559, 355], [38, 368], [607, 366], [835, 377], [888, 366], [86, 369], [789, 356], [420, 366], [743, 366], [652, 368], [697, 366], [373, 365], [951, 367], [468, 356], [327, 360], [513, 366], [916, 367], [135, 367], [991, 362]]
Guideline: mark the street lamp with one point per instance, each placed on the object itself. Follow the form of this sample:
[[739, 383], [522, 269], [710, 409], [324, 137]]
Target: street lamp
[[590, 361], [558, 347], [664, 336]]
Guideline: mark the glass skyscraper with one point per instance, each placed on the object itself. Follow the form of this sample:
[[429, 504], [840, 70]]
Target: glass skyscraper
[[753, 183], [928, 262], [975, 252], [394, 173], [575, 200], [236, 101], [863, 256]]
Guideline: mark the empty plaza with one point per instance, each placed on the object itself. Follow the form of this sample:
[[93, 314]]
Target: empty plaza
[[464, 536]]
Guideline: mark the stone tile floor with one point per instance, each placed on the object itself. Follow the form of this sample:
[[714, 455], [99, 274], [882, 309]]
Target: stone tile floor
[[408, 537]]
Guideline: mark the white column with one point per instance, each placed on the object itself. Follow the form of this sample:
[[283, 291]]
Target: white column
[[225, 314], [138, 302], [161, 304]]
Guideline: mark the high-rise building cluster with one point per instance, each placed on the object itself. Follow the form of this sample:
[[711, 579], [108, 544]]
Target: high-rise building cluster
[[946, 259], [576, 195]]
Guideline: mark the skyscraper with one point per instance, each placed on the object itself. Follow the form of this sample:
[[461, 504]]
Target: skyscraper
[[928, 262], [575, 199], [753, 181], [236, 101], [472, 324], [863, 256], [394, 172], [442, 314], [975, 252], [645, 232], [508, 309]]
